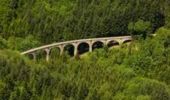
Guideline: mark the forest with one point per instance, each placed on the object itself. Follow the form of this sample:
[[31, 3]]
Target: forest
[[138, 71]]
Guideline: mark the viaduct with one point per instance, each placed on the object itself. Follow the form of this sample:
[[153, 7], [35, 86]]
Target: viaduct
[[90, 43]]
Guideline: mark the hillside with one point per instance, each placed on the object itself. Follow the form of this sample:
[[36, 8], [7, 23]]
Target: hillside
[[137, 71], [61, 20], [124, 73]]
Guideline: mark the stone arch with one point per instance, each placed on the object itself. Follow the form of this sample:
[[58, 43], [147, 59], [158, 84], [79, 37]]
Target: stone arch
[[31, 56], [97, 44], [54, 52], [41, 54], [127, 41], [112, 43], [69, 49], [83, 47]]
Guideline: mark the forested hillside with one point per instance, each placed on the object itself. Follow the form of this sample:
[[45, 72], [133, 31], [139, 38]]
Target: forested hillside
[[138, 71], [60, 20]]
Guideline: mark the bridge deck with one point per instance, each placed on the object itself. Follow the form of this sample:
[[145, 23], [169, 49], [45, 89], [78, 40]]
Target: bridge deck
[[73, 41]]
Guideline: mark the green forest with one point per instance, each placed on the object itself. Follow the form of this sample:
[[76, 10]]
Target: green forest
[[136, 71]]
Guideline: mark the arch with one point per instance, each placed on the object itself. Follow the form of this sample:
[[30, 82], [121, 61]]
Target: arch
[[54, 52], [31, 56], [127, 41], [41, 55], [72, 47], [83, 47], [97, 44], [69, 49], [112, 43]]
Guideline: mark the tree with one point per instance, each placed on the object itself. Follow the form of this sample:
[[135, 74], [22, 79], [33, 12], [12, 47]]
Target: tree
[[140, 28]]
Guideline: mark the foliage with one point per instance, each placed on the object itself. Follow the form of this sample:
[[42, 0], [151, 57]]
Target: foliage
[[3, 43], [124, 73], [138, 71], [21, 44], [140, 27], [51, 20], [146, 89]]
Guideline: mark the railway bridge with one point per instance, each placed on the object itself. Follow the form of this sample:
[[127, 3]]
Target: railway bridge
[[78, 45]]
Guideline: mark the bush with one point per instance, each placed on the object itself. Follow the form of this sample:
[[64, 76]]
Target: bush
[[143, 88], [22, 44], [3, 43], [140, 28]]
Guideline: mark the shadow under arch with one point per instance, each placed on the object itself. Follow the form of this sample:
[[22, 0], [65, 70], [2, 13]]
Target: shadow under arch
[[112, 43], [97, 45], [83, 48], [69, 49], [31, 56], [127, 41], [41, 55]]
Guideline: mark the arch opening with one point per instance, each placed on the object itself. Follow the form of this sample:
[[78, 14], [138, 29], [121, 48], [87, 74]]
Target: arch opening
[[112, 43], [97, 45], [126, 41], [30, 56], [41, 55], [83, 48], [69, 49], [54, 52]]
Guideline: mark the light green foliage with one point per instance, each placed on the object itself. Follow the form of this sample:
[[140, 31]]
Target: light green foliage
[[146, 87], [140, 27], [124, 73], [21, 44]]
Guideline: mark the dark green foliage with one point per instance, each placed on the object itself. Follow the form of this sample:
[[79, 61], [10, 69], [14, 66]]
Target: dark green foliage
[[51, 20], [3, 43]]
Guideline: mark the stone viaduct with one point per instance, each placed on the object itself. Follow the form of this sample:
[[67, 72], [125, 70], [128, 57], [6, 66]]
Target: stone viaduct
[[108, 41]]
